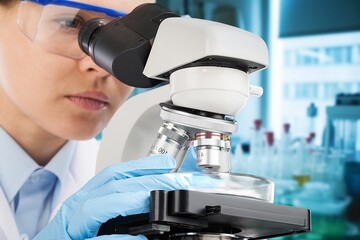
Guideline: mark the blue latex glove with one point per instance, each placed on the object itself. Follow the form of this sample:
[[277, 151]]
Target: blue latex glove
[[122, 189], [189, 163]]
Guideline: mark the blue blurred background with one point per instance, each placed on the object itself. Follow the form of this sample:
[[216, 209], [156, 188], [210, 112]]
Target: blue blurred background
[[304, 132]]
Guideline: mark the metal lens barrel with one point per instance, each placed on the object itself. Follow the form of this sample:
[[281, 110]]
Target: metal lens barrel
[[170, 140], [213, 151]]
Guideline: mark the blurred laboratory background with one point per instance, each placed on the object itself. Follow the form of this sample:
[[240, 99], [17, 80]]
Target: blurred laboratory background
[[304, 132]]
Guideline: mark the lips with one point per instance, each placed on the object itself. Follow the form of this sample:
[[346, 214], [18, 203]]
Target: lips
[[91, 100]]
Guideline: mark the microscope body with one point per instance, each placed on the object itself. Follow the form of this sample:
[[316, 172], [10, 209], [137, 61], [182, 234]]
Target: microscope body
[[206, 66]]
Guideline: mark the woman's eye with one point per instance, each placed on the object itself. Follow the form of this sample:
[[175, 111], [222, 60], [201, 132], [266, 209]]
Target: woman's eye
[[71, 24]]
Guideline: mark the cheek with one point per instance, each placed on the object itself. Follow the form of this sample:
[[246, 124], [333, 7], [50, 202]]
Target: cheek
[[29, 75], [121, 93], [20, 78], [25, 67]]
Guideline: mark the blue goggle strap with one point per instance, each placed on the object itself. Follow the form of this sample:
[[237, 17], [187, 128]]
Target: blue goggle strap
[[108, 11]]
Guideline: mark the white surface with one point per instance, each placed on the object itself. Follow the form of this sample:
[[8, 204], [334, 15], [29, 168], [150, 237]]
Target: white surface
[[133, 129], [213, 89], [180, 41]]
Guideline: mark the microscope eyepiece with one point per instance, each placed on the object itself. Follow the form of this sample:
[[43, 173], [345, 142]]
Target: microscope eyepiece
[[88, 31], [122, 46]]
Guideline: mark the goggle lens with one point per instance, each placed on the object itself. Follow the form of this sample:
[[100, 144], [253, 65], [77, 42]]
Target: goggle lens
[[55, 28]]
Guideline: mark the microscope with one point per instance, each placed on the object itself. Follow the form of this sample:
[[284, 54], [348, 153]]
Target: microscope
[[201, 69]]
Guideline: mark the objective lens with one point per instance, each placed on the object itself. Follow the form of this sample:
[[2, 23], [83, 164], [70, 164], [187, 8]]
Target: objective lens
[[169, 141], [213, 151]]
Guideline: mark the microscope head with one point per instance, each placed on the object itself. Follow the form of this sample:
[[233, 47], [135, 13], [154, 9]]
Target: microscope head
[[189, 42], [207, 63], [203, 60]]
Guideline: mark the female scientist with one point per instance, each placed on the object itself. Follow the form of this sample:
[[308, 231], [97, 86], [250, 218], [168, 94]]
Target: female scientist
[[53, 101]]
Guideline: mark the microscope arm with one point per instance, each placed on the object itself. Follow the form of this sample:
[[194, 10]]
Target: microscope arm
[[132, 129]]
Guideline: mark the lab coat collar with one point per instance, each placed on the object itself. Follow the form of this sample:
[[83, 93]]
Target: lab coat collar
[[15, 165], [8, 228], [60, 163], [81, 169]]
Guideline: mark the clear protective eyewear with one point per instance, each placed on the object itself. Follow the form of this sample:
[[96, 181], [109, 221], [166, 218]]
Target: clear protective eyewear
[[55, 24]]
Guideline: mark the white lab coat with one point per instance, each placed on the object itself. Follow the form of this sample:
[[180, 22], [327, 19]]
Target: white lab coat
[[82, 168]]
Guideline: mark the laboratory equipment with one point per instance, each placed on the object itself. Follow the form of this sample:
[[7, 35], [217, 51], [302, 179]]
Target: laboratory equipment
[[268, 165], [208, 66], [257, 145], [284, 158], [312, 113], [301, 171], [344, 117], [239, 159]]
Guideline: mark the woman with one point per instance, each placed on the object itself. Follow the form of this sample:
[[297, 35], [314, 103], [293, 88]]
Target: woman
[[53, 101]]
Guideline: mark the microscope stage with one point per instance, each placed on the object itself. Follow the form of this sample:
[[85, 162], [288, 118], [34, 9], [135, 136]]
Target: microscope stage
[[184, 211]]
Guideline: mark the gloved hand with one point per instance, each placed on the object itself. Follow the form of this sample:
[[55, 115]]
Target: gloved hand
[[121, 189], [189, 163]]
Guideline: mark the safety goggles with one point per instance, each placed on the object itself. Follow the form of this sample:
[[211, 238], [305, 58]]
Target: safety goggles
[[55, 24]]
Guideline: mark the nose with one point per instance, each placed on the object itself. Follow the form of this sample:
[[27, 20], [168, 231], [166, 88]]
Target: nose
[[88, 66]]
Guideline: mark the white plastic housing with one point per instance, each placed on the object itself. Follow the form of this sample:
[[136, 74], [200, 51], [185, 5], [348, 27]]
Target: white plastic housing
[[133, 128], [180, 41], [214, 89]]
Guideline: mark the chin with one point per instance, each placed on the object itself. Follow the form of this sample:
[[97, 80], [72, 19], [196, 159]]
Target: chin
[[85, 135], [82, 137], [80, 133]]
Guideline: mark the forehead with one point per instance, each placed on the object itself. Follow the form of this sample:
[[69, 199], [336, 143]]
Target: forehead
[[122, 5]]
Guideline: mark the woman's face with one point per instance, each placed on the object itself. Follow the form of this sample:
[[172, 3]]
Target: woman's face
[[68, 98]]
